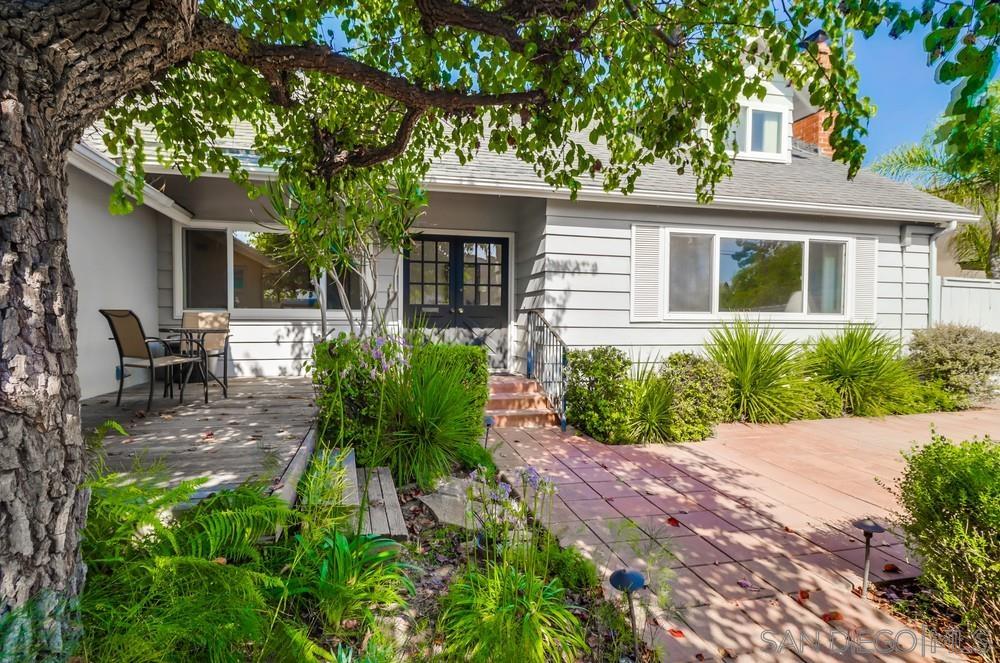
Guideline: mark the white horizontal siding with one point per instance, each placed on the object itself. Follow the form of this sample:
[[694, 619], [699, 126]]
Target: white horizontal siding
[[902, 309], [587, 299]]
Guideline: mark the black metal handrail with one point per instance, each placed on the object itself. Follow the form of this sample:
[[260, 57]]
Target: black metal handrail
[[548, 356]]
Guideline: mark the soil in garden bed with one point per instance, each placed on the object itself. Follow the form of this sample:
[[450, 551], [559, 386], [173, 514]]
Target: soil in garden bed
[[437, 552], [914, 605]]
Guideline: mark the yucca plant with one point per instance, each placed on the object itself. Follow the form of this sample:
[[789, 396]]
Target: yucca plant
[[765, 372], [650, 411], [865, 367], [500, 614], [434, 420]]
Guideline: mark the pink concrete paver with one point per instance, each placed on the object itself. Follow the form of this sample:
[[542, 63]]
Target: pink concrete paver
[[741, 524]]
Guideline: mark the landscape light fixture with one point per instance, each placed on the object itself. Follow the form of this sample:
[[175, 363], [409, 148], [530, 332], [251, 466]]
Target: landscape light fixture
[[869, 527], [488, 421], [628, 581]]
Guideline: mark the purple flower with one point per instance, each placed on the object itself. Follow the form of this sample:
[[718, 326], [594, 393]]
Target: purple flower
[[532, 477], [379, 342], [373, 374]]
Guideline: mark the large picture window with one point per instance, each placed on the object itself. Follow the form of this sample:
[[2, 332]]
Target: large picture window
[[719, 273], [264, 274], [760, 276]]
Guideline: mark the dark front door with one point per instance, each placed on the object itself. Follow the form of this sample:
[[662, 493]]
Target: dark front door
[[459, 286]]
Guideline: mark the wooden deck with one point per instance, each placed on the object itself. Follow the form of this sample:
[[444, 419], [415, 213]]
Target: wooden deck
[[262, 432]]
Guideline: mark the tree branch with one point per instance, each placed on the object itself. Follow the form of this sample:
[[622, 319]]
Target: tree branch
[[334, 159], [505, 24], [271, 59]]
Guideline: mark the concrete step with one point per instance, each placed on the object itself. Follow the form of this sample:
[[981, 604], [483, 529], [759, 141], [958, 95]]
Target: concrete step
[[517, 401], [529, 418]]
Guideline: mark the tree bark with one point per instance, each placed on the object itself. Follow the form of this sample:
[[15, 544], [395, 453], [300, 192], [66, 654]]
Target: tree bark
[[42, 459], [61, 65]]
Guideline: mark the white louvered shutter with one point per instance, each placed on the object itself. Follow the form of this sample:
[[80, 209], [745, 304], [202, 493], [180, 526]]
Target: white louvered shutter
[[865, 278], [647, 273]]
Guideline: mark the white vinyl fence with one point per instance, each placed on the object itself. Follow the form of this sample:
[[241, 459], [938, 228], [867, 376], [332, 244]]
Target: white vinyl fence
[[969, 302]]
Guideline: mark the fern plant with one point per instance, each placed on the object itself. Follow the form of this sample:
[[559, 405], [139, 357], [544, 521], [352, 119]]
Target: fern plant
[[225, 579]]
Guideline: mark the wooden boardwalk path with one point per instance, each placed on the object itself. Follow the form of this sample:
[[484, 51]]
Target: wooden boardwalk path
[[261, 432]]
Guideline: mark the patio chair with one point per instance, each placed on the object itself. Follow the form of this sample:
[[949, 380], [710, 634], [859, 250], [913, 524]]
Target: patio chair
[[215, 340], [136, 349]]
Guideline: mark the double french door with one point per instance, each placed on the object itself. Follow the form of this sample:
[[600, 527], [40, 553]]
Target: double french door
[[459, 286]]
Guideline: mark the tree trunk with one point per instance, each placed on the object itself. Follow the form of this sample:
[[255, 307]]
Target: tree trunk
[[42, 507], [62, 63]]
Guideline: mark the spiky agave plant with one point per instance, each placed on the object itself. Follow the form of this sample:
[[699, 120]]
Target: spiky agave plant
[[650, 410], [865, 367], [766, 373]]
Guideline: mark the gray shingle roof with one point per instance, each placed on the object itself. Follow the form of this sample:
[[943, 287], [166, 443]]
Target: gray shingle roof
[[810, 178]]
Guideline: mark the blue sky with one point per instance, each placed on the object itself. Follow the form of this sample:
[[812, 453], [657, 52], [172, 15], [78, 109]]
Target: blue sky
[[894, 73]]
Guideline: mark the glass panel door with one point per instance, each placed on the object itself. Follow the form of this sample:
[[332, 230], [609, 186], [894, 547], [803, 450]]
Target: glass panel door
[[459, 285]]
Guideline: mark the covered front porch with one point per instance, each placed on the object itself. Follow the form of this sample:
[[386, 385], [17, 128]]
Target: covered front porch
[[262, 432]]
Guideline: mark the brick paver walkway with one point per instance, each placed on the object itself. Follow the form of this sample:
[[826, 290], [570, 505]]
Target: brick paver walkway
[[747, 532]]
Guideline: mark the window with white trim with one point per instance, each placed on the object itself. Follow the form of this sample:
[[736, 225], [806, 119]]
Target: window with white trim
[[251, 271], [702, 273], [760, 133]]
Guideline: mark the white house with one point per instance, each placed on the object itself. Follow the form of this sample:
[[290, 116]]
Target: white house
[[788, 239]]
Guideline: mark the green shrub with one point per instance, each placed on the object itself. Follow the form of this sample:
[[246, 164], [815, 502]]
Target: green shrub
[[433, 421], [950, 499], [504, 615], [417, 408], [597, 392], [965, 360], [549, 560], [701, 396], [824, 397], [576, 572], [650, 408], [765, 373], [350, 374], [865, 367], [932, 396]]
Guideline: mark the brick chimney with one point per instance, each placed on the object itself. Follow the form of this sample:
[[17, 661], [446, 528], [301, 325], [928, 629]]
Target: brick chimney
[[808, 123]]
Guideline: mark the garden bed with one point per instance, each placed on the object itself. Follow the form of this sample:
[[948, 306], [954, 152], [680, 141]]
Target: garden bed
[[915, 605], [438, 553]]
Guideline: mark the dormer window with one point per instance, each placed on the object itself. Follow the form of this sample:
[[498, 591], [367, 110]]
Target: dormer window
[[765, 131], [761, 134]]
